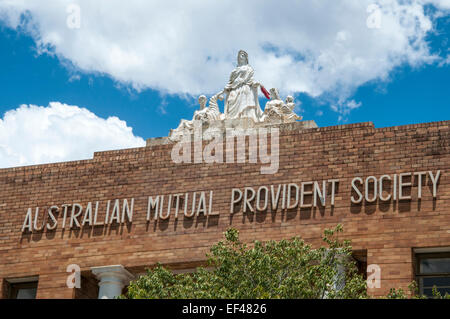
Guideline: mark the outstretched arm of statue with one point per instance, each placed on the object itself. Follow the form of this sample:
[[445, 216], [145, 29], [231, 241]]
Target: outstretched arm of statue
[[219, 96]]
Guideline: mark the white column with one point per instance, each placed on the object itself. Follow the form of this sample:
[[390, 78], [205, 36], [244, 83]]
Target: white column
[[112, 279]]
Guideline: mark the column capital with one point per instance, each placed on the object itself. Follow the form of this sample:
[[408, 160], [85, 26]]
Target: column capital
[[112, 279]]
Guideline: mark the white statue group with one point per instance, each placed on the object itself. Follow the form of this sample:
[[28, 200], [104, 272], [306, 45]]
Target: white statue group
[[241, 102]]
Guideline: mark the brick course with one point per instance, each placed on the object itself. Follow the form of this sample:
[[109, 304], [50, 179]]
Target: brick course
[[387, 230]]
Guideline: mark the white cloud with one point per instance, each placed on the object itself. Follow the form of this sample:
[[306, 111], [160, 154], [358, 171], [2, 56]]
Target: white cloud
[[443, 4], [189, 47], [351, 105], [446, 61], [34, 134], [344, 108]]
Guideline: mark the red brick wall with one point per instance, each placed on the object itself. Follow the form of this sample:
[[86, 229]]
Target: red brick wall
[[388, 230]]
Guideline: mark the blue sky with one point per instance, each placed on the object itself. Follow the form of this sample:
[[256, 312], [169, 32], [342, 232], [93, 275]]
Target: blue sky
[[405, 92]]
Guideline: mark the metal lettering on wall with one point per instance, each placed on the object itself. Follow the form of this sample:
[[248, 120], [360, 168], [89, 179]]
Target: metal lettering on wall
[[287, 196]]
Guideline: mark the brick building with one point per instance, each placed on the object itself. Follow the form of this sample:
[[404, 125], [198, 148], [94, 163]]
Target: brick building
[[388, 187]]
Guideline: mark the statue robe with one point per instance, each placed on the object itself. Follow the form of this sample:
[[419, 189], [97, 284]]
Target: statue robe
[[242, 98]]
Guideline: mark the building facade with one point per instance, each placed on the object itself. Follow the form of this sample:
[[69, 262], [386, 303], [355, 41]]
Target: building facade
[[99, 223]]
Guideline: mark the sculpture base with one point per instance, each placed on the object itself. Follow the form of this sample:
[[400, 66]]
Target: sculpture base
[[241, 124]]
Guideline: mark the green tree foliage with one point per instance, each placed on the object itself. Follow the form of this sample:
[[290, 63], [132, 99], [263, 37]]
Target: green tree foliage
[[414, 293], [283, 269]]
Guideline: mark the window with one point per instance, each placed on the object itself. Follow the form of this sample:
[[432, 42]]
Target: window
[[433, 269], [22, 288], [360, 257]]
